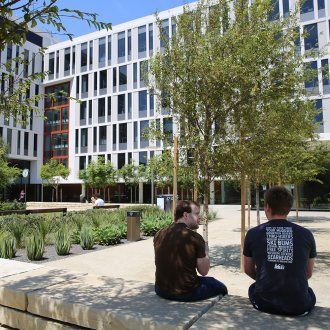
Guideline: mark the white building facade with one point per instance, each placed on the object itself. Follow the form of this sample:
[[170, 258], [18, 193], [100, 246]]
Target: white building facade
[[104, 71]]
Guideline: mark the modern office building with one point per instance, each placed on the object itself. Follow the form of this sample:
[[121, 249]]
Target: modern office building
[[104, 71]]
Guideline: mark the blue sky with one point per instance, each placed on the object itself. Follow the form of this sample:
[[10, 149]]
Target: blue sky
[[114, 11]]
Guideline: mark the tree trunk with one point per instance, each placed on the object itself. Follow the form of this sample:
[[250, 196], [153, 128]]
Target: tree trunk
[[56, 197], [206, 209], [258, 203], [195, 195], [297, 200], [249, 202], [131, 194], [242, 217]]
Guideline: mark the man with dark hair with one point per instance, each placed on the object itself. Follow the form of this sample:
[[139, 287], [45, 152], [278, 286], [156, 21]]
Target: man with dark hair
[[279, 256], [179, 251], [98, 200]]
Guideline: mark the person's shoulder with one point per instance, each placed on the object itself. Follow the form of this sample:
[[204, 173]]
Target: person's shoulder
[[301, 230], [196, 235], [257, 229]]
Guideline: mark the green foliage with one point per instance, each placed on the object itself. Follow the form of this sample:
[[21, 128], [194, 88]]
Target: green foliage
[[35, 246], [7, 246], [150, 225], [7, 173], [108, 235], [63, 241], [98, 174], [87, 238], [15, 205]]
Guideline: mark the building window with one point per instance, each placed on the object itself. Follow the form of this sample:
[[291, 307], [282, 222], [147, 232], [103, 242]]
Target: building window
[[77, 139], [151, 39], [122, 78], [84, 138], [90, 110], [102, 51], [9, 52], [129, 44], [164, 33], [135, 134], [121, 104], [325, 76], [318, 119], [114, 134], [94, 137], [103, 79], [142, 41], [307, 6], [114, 78], [9, 139], [152, 104], [67, 59], [35, 145], [286, 8], [91, 55], [311, 84], [135, 75], [123, 133], [84, 85], [82, 162], [143, 103], [109, 106], [95, 83], [121, 160], [51, 65], [109, 50], [121, 47], [275, 12], [311, 37], [26, 143], [144, 127], [143, 73], [103, 135], [18, 142], [168, 129], [83, 109], [73, 58], [129, 105], [101, 107], [143, 158], [84, 56]]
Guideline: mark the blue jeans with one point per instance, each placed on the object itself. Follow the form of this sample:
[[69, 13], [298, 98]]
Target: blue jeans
[[208, 287], [267, 307]]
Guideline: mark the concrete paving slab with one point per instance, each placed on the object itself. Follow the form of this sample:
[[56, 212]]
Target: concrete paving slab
[[14, 289], [103, 303], [11, 267], [235, 312], [20, 320]]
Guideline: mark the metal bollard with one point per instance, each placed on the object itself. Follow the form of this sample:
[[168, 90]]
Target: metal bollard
[[133, 225]]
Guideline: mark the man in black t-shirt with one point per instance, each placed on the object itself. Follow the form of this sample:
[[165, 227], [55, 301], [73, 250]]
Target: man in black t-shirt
[[179, 252], [279, 256]]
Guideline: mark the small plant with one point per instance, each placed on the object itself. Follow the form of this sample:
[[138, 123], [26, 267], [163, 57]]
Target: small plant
[[75, 236], [35, 246], [7, 246], [62, 241], [16, 228], [150, 225], [87, 238], [108, 235]]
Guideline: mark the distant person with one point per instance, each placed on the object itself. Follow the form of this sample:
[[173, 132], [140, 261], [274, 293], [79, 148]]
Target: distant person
[[279, 256], [179, 251], [21, 196], [93, 200], [98, 200]]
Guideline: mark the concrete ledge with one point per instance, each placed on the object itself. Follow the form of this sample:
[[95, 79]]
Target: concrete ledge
[[103, 303], [234, 312], [14, 289], [20, 320]]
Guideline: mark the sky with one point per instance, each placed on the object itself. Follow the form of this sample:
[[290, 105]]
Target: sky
[[113, 11]]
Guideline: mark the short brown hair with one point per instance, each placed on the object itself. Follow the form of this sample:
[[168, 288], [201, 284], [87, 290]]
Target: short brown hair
[[183, 206], [279, 200]]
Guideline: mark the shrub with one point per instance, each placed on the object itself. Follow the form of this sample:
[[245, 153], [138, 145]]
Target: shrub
[[15, 205], [17, 229], [151, 225], [108, 235], [75, 237], [87, 238], [35, 246], [62, 241], [7, 246]]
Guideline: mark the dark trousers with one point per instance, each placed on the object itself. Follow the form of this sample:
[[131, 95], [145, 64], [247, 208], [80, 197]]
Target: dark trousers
[[208, 287], [267, 307]]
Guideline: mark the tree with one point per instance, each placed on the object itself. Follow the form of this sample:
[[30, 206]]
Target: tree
[[53, 172], [98, 174], [235, 88], [129, 174], [7, 173], [17, 17]]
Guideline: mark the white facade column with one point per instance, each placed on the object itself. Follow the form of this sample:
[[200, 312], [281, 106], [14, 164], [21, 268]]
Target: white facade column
[[212, 193], [140, 192]]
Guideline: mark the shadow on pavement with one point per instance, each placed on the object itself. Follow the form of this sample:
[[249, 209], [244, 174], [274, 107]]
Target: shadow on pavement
[[226, 256]]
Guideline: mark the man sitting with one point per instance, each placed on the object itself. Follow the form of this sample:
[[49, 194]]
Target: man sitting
[[98, 200], [279, 255], [178, 252]]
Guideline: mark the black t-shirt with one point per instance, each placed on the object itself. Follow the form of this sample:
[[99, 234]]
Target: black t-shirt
[[176, 251], [281, 251]]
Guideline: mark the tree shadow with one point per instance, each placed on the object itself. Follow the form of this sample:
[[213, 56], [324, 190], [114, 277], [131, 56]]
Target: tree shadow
[[226, 256], [303, 218]]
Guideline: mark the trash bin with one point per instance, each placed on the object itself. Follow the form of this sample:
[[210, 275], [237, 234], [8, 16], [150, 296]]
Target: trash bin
[[133, 225], [165, 202]]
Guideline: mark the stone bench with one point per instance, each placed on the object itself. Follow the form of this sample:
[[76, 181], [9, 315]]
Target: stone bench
[[235, 312], [48, 298]]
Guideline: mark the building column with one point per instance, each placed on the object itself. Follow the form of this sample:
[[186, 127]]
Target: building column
[[212, 193], [140, 192], [223, 194]]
